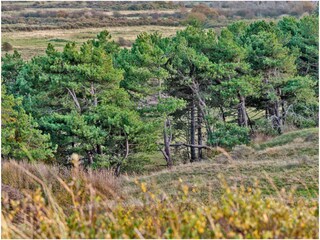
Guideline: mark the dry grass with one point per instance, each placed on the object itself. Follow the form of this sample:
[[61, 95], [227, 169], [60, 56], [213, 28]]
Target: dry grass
[[240, 213], [291, 161], [17, 179], [266, 193], [34, 43]]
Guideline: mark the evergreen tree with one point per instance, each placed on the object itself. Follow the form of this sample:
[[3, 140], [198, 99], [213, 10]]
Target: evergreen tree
[[21, 138]]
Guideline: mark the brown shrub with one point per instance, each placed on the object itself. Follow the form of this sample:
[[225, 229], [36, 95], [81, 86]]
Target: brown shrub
[[205, 10], [124, 42], [6, 47]]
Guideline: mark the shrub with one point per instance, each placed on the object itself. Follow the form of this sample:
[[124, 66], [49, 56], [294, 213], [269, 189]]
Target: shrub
[[205, 10], [264, 126], [196, 18], [124, 43], [229, 135], [116, 14], [239, 213], [6, 47]]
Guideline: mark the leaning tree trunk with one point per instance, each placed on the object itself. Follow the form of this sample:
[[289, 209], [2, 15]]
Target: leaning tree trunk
[[242, 114], [199, 134], [192, 131]]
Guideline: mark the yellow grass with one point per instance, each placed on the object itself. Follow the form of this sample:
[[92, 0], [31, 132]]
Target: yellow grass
[[34, 43]]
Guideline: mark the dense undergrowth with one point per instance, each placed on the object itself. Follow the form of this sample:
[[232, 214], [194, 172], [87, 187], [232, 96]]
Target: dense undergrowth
[[239, 213]]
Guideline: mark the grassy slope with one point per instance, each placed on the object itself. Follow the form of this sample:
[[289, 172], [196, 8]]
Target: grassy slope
[[288, 161]]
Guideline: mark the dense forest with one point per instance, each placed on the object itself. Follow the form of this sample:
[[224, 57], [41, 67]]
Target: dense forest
[[181, 95]]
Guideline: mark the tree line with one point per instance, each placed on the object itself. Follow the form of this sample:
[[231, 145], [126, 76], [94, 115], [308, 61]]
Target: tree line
[[195, 90]]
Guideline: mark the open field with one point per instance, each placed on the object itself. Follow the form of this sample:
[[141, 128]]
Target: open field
[[29, 26], [34, 43]]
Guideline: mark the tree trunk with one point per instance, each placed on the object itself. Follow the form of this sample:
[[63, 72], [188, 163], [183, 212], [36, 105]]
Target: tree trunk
[[99, 149], [275, 116], [275, 113], [283, 118], [192, 131], [93, 93], [222, 114], [167, 140], [90, 157], [199, 133], [118, 166], [242, 114], [277, 122]]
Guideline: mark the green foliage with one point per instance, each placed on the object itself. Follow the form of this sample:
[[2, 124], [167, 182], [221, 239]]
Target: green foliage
[[21, 138], [265, 127], [11, 66], [229, 135], [303, 36], [107, 103]]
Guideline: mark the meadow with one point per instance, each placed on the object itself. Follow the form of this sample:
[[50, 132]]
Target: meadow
[[34, 43]]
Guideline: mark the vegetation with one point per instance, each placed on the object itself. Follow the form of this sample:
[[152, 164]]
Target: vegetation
[[198, 203], [195, 89], [205, 133], [6, 47], [33, 22]]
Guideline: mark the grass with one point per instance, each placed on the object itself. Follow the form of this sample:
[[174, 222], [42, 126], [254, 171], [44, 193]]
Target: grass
[[263, 192], [290, 161], [240, 212], [311, 133], [34, 43]]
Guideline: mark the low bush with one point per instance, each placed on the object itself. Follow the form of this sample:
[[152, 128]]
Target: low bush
[[240, 213], [228, 135], [6, 47]]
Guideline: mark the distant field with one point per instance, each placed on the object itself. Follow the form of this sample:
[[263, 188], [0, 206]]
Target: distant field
[[33, 43]]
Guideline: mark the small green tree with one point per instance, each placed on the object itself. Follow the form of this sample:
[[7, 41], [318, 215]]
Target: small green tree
[[21, 138]]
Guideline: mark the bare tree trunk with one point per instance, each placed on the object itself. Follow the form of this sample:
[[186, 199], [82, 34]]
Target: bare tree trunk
[[118, 166], [90, 157], [277, 122], [75, 99], [242, 114], [283, 118], [275, 113], [192, 131], [167, 140], [199, 133]]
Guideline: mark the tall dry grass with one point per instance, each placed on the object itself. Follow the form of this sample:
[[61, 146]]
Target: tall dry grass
[[94, 209]]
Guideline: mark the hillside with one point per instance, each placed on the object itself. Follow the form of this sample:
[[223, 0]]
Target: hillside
[[287, 161]]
